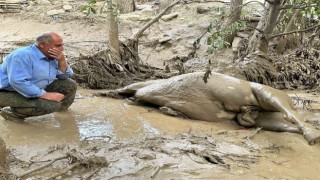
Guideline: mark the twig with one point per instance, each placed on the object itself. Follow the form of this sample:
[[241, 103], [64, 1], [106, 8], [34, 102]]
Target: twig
[[297, 31], [254, 133], [155, 172], [106, 136], [41, 167], [137, 35], [65, 171], [150, 53], [91, 174]]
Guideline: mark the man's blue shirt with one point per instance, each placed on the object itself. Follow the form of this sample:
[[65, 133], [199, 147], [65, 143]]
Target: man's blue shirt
[[28, 71]]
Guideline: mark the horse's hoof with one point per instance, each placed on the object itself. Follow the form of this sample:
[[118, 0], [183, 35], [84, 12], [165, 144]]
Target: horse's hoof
[[245, 120], [168, 111], [131, 101], [171, 112], [312, 136]]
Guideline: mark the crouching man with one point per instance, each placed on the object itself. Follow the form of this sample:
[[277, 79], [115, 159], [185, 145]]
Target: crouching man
[[35, 80]]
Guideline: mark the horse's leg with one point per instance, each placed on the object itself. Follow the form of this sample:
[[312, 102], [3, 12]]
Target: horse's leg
[[271, 99], [274, 121]]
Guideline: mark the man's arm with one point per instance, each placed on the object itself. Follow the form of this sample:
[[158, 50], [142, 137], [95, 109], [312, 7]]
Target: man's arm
[[19, 75]]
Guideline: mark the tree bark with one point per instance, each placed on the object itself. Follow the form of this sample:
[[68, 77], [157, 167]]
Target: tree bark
[[235, 10], [284, 40], [258, 43], [125, 6], [113, 38], [256, 66]]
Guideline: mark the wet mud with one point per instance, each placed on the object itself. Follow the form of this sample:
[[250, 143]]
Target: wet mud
[[110, 139]]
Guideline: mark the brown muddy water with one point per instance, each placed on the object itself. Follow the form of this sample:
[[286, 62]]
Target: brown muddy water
[[280, 155], [92, 116]]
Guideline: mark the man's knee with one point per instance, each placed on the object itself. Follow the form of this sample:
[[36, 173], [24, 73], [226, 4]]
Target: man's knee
[[71, 83], [65, 87]]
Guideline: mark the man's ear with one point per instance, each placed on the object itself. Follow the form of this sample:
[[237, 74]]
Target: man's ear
[[41, 45]]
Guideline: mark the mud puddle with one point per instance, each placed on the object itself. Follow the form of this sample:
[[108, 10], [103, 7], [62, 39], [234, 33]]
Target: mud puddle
[[96, 117]]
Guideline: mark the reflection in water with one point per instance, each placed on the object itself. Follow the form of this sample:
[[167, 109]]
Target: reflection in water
[[122, 121], [43, 130], [149, 129], [96, 116], [94, 128]]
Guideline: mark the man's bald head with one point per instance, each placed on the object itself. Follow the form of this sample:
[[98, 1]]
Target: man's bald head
[[46, 37]]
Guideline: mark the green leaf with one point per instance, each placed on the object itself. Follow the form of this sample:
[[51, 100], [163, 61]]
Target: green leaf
[[93, 10], [83, 8]]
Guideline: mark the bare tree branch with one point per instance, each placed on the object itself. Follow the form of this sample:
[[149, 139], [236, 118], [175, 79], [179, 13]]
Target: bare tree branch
[[41, 167], [296, 31], [137, 35], [300, 6]]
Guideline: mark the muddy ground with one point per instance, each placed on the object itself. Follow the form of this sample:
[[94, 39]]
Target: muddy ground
[[102, 138]]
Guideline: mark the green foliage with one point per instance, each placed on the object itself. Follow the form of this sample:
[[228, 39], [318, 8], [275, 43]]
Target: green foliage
[[216, 40], [309, 11], [91, 7]]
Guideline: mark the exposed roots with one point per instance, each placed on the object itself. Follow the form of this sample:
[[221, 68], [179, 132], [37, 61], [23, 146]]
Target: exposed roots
[[106, 69], [257, 69], [298, 70]]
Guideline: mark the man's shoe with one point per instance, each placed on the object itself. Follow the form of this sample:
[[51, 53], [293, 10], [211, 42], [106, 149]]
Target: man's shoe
[[8, 114]]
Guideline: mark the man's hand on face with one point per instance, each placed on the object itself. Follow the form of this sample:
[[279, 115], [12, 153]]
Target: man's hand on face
[[57, 54], [52, 96]]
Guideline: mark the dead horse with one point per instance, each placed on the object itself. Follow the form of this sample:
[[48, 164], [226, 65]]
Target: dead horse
[[222, 98]]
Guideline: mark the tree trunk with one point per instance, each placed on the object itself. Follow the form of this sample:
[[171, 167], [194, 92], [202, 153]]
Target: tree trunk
[[256, 66], [235, 10], [259, 41], [125, 6], [113, 30], [284, 40]]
